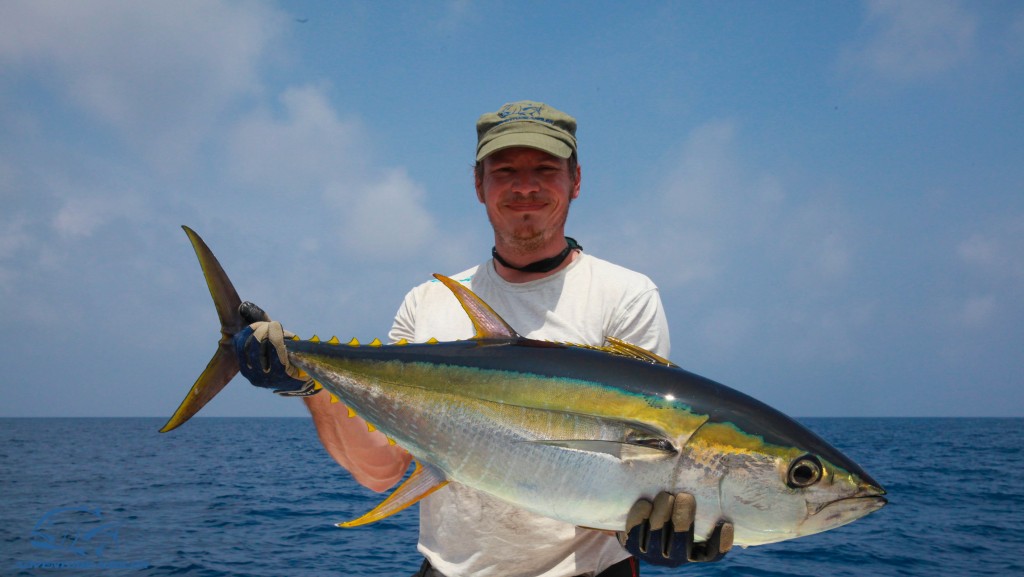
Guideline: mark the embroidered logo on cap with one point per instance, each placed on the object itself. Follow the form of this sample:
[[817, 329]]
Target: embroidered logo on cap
[[517, 111], [531, 112]]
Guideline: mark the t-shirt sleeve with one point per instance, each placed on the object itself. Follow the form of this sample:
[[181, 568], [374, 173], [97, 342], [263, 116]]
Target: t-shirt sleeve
[[404, 326], [642, 322]]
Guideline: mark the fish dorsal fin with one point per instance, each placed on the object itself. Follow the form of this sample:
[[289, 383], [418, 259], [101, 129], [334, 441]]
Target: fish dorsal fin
[[625, 349], [422, 482], [487, 323]]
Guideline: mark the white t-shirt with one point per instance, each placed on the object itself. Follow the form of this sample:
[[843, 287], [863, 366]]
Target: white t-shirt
[[466, 532]]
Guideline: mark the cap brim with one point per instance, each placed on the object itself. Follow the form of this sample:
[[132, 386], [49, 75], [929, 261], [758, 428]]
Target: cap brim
[[542, 142]]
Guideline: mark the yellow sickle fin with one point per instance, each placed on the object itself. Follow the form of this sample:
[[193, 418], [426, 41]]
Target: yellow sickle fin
[[422, 482], [487, 323]]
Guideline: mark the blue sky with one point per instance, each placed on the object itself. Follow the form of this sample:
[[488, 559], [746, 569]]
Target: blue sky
[[829, 194]]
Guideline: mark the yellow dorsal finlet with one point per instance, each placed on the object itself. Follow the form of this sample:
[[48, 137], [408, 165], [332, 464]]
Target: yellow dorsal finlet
[[354, 342], [334, 341], [314, 339], [376, 343]]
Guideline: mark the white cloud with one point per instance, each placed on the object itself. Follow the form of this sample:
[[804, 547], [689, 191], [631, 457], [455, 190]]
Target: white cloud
[[998, 252], [723, 213], [977, 311], [758, 262], [699, 195], [992, 271], [305, 145], [907, 40], [80, 217], [706, 178], [13, 236], [321, 169], [13, 239], [978, 250], [386, 218], [1015, 35], [815, 238], [455, 15], [159, 74]]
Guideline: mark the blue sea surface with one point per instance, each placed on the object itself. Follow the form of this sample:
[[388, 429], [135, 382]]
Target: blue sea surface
[[259, 497]]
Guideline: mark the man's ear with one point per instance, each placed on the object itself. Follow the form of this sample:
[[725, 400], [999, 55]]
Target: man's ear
[[479, 184], [576, 185]]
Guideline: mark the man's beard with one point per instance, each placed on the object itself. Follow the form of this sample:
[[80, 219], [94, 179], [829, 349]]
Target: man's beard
[[527, 237]]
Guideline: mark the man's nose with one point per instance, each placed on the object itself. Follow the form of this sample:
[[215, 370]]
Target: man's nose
[[525, 181]]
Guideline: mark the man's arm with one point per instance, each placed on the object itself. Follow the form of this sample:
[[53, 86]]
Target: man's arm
[[371, 459], [374, 461]]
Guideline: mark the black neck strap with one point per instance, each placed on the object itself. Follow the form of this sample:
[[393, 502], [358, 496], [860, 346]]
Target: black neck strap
[[544, 265]]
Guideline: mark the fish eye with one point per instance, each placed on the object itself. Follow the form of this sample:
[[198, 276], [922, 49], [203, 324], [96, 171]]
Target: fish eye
[[804, 472]]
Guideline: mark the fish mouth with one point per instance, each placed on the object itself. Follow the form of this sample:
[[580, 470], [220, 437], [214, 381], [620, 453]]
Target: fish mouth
[[842, 511], [869, 502], [869, 498]]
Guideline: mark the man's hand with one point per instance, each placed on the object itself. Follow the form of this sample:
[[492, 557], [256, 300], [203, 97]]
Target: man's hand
[[661, 533], [262, 357]]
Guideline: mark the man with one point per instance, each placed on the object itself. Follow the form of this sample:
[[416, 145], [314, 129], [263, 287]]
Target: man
[[543, 284]]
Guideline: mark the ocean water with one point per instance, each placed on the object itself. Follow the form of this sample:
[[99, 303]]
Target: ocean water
[[258, 497]]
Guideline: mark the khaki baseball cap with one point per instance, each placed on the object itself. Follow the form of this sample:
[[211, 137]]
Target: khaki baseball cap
[[529, 124]]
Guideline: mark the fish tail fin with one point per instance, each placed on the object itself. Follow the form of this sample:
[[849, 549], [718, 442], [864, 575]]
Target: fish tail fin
[[224, 364]]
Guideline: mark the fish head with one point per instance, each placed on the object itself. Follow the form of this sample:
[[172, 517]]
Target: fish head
[[786, 482]]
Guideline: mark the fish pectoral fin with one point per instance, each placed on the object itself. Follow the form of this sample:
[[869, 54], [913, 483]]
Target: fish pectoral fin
[[623, 451], [422, 482]]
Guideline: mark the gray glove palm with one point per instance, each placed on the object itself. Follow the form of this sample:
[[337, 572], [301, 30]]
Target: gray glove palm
[[661, 533]]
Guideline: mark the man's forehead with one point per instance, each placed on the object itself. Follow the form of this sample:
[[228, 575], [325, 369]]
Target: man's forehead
[[523, 153]]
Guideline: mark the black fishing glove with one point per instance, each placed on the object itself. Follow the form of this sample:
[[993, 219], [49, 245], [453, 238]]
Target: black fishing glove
[[661, 533], [262, 357]]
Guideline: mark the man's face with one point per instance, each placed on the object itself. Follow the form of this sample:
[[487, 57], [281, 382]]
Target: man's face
[[527, 194]]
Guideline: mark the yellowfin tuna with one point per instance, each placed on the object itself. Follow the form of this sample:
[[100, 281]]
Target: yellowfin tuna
[[571, 432]]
